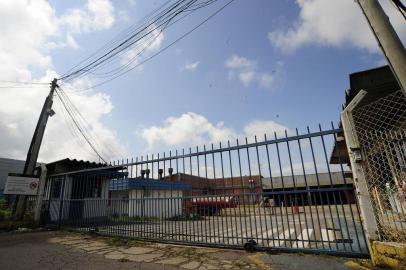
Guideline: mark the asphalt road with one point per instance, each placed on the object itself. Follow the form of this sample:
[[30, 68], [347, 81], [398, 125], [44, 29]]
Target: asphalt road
[[23, 251]]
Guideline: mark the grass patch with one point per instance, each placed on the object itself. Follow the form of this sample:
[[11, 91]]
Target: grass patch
[[10, 225], [187, 251], [123, 242], [7, 223], [190, 217], [134, 218]]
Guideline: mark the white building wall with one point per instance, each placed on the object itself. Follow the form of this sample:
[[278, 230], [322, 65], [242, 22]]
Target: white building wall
[[155, 203], [55, 203], [92, 207], [119, 203], [97, 206]]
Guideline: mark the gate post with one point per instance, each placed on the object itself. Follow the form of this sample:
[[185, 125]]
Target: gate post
[[41, 191], [364, 199], [61, 197]]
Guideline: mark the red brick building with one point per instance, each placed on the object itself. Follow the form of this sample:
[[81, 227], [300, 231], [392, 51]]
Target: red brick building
[[245, 187]]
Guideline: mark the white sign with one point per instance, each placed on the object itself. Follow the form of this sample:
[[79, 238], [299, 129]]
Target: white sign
[[21, 185]]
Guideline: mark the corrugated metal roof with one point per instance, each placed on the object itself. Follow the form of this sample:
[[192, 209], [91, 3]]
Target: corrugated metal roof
[[73, 165], [76, 162]]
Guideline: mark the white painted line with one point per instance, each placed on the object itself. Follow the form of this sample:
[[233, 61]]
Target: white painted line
[[327, 235], [285, 236], [268, 236], [228, 233], [303, 239]]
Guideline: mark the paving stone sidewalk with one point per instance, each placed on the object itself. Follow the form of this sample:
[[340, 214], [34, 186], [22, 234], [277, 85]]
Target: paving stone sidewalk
[[64, 250], [163, 254]]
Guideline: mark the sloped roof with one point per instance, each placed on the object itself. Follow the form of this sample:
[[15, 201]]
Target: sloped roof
[[377, 82]]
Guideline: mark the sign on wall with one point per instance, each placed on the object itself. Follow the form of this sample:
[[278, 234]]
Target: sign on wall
[[21, 185]]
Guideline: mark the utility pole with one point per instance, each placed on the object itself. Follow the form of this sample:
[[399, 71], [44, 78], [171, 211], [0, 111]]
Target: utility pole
[[33, 151], [387, 38]]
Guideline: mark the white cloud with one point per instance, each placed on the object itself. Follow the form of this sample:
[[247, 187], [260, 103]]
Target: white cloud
[[25, 27], [190, 66], [265, 80], [29, 28], [246, 77], [246, 71], [97, 15], [239, 62], [191, 129], [261, 127], [333, 23]]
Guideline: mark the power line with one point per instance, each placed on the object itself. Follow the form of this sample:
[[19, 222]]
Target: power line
[[401, 7], [139, 53], [115, 40], [21, 86], [86, 123], [23, 82], [159, 22], [123, 45], [78, 126], [163, 49], [71, 127]]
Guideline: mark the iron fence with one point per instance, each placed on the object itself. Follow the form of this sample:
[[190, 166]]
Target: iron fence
[[280, 193], [381, 131]]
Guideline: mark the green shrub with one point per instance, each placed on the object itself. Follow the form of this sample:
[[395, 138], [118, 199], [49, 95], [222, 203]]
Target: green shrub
[[5, 214], [8, 224], [189, 217], [2, 203]]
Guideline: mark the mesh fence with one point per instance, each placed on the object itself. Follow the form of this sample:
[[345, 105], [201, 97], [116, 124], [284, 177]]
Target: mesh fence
[[381, 131]]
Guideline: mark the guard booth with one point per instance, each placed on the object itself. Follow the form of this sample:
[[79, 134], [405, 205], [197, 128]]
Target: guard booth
[[77, 196], [147, 198]]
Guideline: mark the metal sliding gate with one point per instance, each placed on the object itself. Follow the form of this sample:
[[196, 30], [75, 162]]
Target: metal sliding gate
[[278, 192]]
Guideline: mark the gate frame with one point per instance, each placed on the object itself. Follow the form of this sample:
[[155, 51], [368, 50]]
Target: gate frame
[[363, 251], [354, 152]]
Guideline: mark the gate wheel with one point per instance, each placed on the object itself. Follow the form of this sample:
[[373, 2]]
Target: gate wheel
[[250, 246]]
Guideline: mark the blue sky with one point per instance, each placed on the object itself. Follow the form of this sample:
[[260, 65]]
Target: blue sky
[[266, 62]]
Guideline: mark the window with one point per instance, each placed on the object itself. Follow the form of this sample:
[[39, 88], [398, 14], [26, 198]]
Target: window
[[56, 186], [93, 189]]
